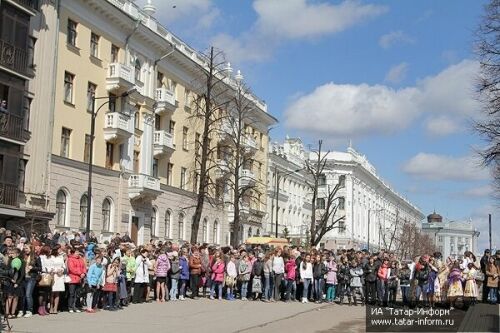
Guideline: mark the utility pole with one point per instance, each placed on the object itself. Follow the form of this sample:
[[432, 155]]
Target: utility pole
[[276, 192], [368, 240], [489, 229]]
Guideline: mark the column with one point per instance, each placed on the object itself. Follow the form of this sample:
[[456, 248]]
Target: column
[[147, 144]]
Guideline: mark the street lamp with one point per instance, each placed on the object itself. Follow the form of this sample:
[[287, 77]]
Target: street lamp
[[91, 148], [277, 190], [368, 231]]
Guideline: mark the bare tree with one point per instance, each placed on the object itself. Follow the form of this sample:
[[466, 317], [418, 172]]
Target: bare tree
[[488, 87], [236, 156], [325, 218], [211, 99]]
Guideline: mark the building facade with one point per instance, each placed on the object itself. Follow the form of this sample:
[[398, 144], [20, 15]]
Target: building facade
[[17, 69], [288, 191], [451, 238], [373, 212], [144, 81]]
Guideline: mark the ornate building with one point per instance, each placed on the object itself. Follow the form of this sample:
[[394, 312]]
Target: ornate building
[[145, 178]]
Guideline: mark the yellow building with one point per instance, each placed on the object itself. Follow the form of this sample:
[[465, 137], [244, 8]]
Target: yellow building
[[144, 80]]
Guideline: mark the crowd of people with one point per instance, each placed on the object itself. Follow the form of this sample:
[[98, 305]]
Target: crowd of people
[[46, 274]]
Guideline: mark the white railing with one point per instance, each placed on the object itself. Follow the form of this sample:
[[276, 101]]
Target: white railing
[[250, 142], [117, 120], [120, 71], [165, 95], [247, 175], [163, 138], [140, 181]]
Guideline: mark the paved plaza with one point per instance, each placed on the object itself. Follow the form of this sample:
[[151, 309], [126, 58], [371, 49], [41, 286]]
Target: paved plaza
[[211, 316]]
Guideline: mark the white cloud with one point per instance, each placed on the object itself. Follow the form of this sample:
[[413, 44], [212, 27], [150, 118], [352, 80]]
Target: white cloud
[[394, 37], [355, 111], [297, 20], [442, 126], [442, 167], [481, 191], [397, 73]]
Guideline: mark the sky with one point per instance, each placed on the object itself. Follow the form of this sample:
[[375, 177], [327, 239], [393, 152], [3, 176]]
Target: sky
[[394, 78]]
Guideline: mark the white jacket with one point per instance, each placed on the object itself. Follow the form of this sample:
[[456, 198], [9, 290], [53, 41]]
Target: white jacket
[[306, 273], [141, 272]]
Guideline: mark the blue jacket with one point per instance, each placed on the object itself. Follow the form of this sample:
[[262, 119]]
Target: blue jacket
[[95, 275], [183, 263]]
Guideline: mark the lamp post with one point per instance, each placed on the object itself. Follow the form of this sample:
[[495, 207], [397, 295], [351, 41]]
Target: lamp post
[[368, 230], [91, 149], [277, 191]]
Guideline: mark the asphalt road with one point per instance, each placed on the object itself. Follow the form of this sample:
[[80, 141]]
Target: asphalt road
[[209, 316]]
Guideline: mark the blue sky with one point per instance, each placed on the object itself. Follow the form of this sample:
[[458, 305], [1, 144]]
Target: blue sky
[[395, 77]]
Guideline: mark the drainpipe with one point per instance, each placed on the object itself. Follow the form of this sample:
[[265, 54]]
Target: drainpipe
[[127, 53]]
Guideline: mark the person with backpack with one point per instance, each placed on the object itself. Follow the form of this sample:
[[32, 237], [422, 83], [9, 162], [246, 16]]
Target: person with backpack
[[175, 273], [162, 266]]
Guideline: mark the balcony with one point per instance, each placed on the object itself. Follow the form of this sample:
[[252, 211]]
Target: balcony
[[250, 144], [117, 127], [165, 101], [228, 130], [222, 168], [163, 143], [30, 5], [247, 178], [9, 194], [12, 127], [13, 58], [143, 186], [120, 78]]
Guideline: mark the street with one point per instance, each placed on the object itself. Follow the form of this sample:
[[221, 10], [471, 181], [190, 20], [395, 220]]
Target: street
[[211, 316]]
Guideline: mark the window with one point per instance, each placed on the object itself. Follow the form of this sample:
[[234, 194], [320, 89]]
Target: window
[[215, 235], [106, 215], [342, 181], [136, 161], [249, 233], [137, 70], [157, 122], [137, 120], [159, 80], [91, 89], [155, 167], [112, 102], [180, 234], [86, 149], [31, 51], [27, 112], [342, 226], [172, 86], [187, 100], [171, 128], [65, 141], [170, 168], [196, 178], [197, 145], [205, 231], [185, 138], [168, 218], [68, 87], [83, 210], [115, 52], [109, 155], [183, 178], [153, 222], [322, 180], [72, 33], [61, 208], [341, 203], [94, 45], [440, 238], [320, 203]]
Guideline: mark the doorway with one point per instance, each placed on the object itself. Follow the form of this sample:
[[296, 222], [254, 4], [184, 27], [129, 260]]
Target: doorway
[[135, 229]]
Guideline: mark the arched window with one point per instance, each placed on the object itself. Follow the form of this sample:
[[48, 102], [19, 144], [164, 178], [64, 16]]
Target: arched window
[[61, 208], [341, 203], [215, 236], [249, 234], [342, 181], [205, 231], [168, 220], [181, 226], [137, 120], [137, 70], [153, 222], [106, 215], [258, 232], [84, 201]]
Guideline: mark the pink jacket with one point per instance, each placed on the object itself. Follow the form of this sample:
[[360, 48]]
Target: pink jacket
[[290, 269], [331, 276], [76, 267], [218, 271]]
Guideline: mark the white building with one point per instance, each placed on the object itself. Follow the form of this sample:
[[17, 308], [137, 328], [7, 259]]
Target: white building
[[374, 212], [452, 238], [293, 211]]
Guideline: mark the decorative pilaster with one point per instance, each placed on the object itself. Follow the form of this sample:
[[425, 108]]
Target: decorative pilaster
[[147, 144]]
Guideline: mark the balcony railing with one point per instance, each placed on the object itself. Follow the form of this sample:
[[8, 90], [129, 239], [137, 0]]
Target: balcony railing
[[9, 194], [120, 77], [140, 185], [165, 101], [163, 142], [12, 127], [13, 57], [116, 127], [30, 4]]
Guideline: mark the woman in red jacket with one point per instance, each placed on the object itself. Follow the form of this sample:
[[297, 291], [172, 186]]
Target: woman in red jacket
[[76, 271], [217, 277]]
